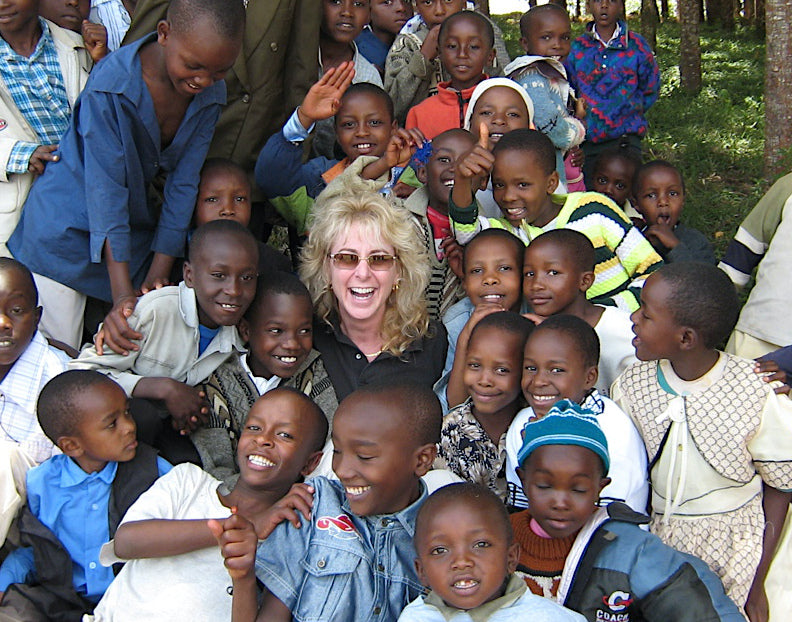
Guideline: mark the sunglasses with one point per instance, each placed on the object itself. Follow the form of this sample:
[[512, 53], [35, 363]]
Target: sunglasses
[[349, 261]]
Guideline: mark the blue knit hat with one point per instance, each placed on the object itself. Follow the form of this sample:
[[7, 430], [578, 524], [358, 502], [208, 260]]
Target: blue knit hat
[[566, 423]]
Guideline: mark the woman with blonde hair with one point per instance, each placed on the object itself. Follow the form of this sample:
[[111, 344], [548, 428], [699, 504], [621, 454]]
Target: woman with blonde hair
[[367, 273]]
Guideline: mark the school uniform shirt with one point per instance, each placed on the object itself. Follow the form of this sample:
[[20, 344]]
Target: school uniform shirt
[[339, 566], [108, 157], [112, 14]]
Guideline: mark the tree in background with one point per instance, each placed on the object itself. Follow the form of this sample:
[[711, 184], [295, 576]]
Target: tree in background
[[650, 18], [778, 87]]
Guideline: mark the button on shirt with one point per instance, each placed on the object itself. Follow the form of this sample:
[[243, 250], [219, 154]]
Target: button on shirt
[[37, 88], [339, 566]]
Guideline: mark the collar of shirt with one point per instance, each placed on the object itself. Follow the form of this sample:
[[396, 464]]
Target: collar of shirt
[[188, 307], [23, 382], [614, 38], [262, 384], [515, 588], [45, 41], [406, 517], [335, 327], [73, 475]]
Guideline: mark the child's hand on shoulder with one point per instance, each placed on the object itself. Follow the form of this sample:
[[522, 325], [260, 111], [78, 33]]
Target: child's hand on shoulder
[[115, 332], [324, 97], [773, 373], [237, 540], [95, 38], [429, 49], [298, 499], [661, 234], [40, 157]]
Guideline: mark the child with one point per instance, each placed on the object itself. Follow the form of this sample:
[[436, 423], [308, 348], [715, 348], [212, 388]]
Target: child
[[342, 22], [186, 331], [43, 70], [613, 176], [165, 108], [615, 72], [596, 560], [413, 69], [467, 556], [224, 192], [546, 34], [177, 569], [73, 15], [560, 362], [358, 530], [364, 126], [558, 270], [387, 19], [491, 267], [76, 500], [659, 198], [278, 330], [465, 41], [473, 436], [27, 361], [762, 240], [524, 180], [719, 439]]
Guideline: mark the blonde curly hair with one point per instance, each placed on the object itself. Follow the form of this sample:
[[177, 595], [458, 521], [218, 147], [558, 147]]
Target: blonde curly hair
[[406, 318]]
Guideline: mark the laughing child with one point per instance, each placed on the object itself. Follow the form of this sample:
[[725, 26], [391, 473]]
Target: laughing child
[[473, 436], [467, 556], [176, 569], [359, 529], [596, 560], [560, 362]]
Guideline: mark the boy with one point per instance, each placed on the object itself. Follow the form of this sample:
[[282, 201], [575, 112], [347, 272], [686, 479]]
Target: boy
[[558, 270], [523, 182], [43, 69], [76, 500], [278, 330], [27, 361], [597, 561], [177, 570], [761, 240], [725, 471], [560, 362], [491, 267], [473, 436], [615, 72], [466, 43], [613, 176], [387, 19], [73, 15], [659, 197], [359, 531], [166, 91], [545, 36], [467, 556], [187, 330]]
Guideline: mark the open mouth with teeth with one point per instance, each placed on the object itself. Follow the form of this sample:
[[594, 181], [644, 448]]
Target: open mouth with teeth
[[495, 136], [465, 585], [364, 148], [356, 491], [286, 360], [260, 461], [544, 400], [362, 293], [493, 298]]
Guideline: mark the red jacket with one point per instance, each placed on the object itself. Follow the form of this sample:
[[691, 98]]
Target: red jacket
[[441, 112]]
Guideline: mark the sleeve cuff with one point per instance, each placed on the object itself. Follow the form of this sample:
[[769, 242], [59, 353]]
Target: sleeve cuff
[[19, 159], [293, 130]]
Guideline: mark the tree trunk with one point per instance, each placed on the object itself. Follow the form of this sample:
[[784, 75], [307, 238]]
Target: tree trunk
[[748, 10], [483, 6], [760, 16], [577, 9], [649, 20], [664, 10], [689, 48], [778, 87]]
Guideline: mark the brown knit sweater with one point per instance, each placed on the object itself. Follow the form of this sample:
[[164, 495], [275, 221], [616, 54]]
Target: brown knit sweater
[[541, 559]]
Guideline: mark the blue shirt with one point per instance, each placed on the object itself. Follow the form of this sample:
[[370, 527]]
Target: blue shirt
[[339, 566], [373, 50], [98, 191], [205, 336], [73, 505]]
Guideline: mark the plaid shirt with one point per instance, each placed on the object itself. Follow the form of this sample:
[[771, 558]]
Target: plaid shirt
[[37, 88]]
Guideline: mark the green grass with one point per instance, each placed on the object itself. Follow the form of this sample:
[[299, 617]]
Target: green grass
[[715, 137]]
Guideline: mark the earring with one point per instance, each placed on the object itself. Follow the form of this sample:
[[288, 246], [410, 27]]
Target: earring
[[397, 285]]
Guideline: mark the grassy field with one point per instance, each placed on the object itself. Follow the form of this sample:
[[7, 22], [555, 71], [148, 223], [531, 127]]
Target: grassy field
[[715, 137]]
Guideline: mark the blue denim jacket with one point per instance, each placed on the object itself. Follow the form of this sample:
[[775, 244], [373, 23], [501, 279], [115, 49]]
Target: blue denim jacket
[[340, 566]]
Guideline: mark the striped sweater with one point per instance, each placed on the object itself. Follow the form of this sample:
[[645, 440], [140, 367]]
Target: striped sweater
[[623, 257]]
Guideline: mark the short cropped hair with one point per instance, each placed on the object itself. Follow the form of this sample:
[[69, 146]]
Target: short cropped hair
[[57, 411], [485, 26], [579, 331], [226, 16], [319, 426], [419, 408], [367, 88], [527, 19], [702, 298], [508, 322], [529, 141], [507, 237], [222, 227], [575, 246], [7, 263], [276, 282], [623, 151], [469, 495], [643, 170], [225, 165]]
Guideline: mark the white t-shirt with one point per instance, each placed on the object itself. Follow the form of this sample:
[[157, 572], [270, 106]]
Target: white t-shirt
[[614, 330], [194, 586]]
